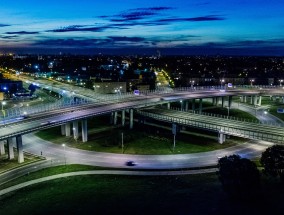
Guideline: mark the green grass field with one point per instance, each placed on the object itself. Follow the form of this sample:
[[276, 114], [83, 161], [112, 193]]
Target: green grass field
[[102, 194], [232, 113], [141, 140]]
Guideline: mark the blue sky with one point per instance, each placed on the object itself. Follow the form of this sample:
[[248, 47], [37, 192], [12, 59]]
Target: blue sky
[[228, 26]]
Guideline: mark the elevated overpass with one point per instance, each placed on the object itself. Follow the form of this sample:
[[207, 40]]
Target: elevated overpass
[[223, 126], [73, 112]]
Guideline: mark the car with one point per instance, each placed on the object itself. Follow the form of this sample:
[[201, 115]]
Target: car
[[130, 163], [45, 123]]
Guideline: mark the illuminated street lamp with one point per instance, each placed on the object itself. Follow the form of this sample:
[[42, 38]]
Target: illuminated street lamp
[[3, 103], [75, 135], [280, 81], [222, 82], [251, 81], [192, 83]]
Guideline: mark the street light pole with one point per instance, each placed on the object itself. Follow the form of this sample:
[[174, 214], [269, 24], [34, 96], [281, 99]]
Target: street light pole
[[122, 145], [228, 112], [3, 103], [64, 153], [222, 81], [75, 134]]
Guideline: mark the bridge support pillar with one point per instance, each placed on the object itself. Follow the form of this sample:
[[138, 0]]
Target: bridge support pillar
[[123, 118], [115, 118], [193, 104], [10, 148], [245, 99], [230, 101], [251, 100], [19, 142], [181, 105], [217, 101], [84, 131], [2, 147], [131, 118], [222, 101], [221, 137], [259, 101], [75, 130], [255, 100], [63, 132], [111, 118], [186, 106], [169, 105], [200, 106], [67, 129]]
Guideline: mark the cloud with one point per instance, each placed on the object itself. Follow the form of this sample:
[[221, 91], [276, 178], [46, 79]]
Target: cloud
[[127, 39], [110, 41], [4, 25], [152, 16], [22, 32], [72, 43], [82, 28], [9, 37], [193, 19], [136, 17], [136, 14]]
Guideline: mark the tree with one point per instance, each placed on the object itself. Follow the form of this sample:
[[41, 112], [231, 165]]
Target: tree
[[238, 175], [273, 161]]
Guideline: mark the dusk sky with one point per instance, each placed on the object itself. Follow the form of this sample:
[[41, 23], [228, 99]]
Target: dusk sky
[[194, 26]]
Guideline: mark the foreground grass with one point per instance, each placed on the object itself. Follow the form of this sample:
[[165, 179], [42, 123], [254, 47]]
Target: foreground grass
[[6, 164], [50, 171], [102, 194]]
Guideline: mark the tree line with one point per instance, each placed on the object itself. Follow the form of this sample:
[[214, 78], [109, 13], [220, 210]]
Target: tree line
[[240, 176]]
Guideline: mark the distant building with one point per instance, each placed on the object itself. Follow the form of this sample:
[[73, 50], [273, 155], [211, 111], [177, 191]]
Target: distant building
[[143, 87], [1, 96], [7, 85]]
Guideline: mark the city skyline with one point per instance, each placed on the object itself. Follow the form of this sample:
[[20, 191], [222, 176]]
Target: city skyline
[[171, 27]]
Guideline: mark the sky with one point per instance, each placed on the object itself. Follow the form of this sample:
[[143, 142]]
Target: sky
[[241, 27]]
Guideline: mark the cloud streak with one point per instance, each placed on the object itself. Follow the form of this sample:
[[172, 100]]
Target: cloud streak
[[194, 19], [72, 43], [136, 17], [22, 32], [4, 25], [136, 14]]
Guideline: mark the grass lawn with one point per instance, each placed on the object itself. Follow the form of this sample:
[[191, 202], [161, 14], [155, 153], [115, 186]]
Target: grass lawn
[[141, 140], [102, 194], [232, 113], [50, 171], [6, 164]]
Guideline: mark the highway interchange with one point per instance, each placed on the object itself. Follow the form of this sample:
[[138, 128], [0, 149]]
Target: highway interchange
[[57, 155]]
